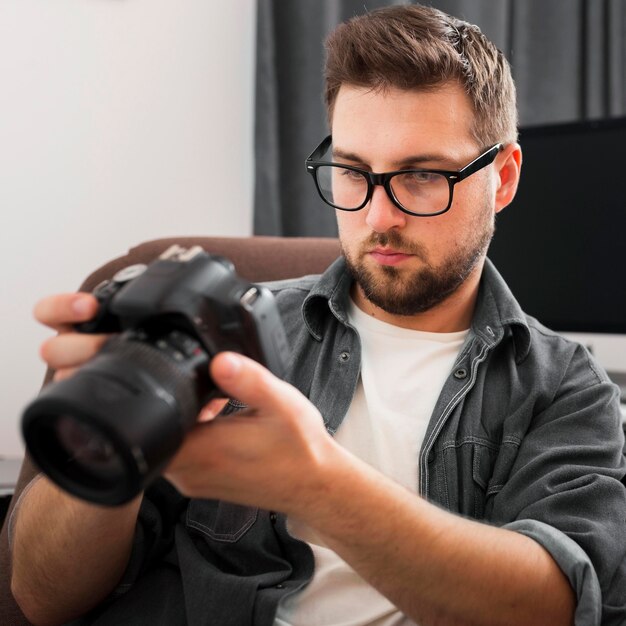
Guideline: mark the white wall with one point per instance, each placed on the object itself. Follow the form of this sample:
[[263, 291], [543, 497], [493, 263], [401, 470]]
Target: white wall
[[120, 121]]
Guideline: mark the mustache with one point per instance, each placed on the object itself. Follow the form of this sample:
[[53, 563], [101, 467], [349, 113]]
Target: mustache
[[396, 241]]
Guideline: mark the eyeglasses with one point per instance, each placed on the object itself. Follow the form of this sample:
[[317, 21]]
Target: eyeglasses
[[418, 192]]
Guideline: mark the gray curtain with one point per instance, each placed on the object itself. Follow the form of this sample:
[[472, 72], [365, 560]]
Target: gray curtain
[[568, 59]]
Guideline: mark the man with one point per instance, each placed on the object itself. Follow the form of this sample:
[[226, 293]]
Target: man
[[474, 472]]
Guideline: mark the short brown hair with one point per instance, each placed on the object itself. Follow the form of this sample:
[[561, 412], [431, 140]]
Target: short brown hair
[[418, 47]]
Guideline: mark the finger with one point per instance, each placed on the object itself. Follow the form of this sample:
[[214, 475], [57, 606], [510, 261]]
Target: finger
[[253, 384], [68, 372], [62, 310], [71, 349], [212, 409]]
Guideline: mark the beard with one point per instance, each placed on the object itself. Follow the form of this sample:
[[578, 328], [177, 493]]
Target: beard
[[405, 292]]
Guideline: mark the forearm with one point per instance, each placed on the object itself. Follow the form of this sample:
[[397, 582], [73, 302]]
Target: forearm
[[435, 566], [67, 555]]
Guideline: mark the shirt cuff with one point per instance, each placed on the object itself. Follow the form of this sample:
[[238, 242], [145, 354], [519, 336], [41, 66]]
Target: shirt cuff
[[574, 563]]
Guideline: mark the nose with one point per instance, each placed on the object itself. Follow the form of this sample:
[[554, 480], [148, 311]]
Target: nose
[[382, 213]]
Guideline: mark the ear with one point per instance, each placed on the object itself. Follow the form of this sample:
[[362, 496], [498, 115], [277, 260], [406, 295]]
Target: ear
[[509, 165]]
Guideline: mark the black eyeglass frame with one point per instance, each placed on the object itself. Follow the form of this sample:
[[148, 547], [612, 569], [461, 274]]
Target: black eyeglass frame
[[383, 179]]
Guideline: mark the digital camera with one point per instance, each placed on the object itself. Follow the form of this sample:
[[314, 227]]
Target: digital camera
[[106, 432]]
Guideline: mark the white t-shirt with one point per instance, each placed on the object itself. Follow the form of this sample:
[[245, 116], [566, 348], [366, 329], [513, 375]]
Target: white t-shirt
[[402, 373]]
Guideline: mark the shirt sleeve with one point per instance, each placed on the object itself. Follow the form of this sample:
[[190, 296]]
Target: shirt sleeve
[[565, 491]]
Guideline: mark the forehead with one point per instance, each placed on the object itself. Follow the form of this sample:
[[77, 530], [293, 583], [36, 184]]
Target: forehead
[[395, 122]]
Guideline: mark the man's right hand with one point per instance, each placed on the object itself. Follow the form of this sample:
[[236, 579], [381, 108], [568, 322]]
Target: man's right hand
[[69, 349]]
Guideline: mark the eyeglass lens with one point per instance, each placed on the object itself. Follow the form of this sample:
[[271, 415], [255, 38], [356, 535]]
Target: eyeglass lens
[[418, 192]]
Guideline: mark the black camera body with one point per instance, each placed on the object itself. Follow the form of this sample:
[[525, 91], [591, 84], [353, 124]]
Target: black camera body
[[110, 429]]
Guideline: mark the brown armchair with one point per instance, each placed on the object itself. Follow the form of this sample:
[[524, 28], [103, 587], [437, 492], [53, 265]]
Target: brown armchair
[[255, 258]]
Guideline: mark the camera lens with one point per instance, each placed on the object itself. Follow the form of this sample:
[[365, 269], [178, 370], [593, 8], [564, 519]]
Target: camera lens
[[106, 432], [89, 450]]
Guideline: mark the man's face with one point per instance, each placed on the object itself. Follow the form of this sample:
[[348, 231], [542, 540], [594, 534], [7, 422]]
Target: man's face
[[404, 264]]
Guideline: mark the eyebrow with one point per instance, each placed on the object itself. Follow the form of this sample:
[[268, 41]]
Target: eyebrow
[[405, 163]]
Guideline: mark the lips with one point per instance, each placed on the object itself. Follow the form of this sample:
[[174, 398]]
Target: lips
[[389, 256]]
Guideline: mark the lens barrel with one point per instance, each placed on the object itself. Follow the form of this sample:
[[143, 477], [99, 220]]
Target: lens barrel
[[106, 432]]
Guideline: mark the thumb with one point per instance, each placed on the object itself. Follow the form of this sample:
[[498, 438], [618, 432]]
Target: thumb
[[243, 378]]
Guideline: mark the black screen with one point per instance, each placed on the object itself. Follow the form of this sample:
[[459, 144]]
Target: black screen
[[560, 244]]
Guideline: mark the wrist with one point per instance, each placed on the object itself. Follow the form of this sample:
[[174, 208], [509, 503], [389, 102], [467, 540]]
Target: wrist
[[333, 481]]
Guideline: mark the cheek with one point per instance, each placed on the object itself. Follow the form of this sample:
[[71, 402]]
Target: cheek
[[474, 195], [349, 225]]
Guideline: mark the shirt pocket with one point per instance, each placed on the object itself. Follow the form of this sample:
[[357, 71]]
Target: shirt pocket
[[220, 521], [491, 467], [483, 461]]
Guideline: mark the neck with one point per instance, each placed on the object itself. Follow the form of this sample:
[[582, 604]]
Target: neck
[[453, 314]]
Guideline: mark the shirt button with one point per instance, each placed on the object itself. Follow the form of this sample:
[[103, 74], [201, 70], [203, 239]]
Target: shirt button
[[280, 586], [273, 517], [460, 373], [344, 356]]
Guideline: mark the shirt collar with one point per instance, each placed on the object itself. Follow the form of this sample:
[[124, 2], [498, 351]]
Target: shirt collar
[[496, 307], [497, 310], [330, 293]]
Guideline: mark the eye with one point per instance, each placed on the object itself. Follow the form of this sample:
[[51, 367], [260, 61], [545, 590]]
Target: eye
[[419, 183], [351, 174], [421, 178]]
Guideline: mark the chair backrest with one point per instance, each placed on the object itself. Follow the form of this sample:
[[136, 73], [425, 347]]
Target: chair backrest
[[255, 258]]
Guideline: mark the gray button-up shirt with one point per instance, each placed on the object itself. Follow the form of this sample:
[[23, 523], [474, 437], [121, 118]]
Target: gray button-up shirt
[[526, 435]]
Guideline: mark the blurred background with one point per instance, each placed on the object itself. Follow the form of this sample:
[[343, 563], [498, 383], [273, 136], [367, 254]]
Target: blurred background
[[126, 120], [120, 121]]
